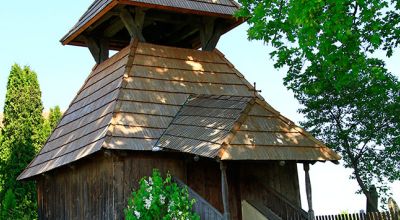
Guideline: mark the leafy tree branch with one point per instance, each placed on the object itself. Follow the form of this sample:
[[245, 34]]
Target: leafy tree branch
[[349, 99]]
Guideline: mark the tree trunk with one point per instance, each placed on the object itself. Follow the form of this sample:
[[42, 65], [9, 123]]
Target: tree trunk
[[372, 200]]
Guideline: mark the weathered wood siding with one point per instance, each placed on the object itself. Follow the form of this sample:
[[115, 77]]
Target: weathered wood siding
[[282, 179], [99, 187]]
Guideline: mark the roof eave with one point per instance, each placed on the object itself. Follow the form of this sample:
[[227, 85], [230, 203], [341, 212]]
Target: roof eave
[[71, 35], [68, 38]]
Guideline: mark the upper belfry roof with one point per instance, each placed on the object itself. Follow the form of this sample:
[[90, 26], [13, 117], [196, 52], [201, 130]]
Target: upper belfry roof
[[101, 11], [150, 96]]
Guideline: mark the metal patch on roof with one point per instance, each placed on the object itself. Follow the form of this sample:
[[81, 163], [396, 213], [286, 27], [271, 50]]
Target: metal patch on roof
[[208, 120]]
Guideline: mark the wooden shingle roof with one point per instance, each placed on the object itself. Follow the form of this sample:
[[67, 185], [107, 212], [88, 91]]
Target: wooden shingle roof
[[240, 128], [99, 8], [203, 124], [147, 96]]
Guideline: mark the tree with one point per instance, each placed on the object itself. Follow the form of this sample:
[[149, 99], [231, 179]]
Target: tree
[[49, 124], [348, 97], [55, 115], [22, 123]]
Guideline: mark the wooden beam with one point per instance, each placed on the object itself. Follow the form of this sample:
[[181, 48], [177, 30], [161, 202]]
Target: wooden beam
[[210, 32], [185, 33], [113, 29], [134, 25], [166, 18], [93, 48], [139, 18], [225, 191], [306, 167], [180, 31], [98, 22], [206, 30], [104, 49], [98, 48]]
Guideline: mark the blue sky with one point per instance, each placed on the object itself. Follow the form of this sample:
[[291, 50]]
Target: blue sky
[[29, 35]]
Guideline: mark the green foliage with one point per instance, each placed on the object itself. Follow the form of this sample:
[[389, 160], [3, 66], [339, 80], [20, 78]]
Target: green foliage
[[8, 206], [54, 116], [49, 124], [157, 198], [20, 140], [348, 97]]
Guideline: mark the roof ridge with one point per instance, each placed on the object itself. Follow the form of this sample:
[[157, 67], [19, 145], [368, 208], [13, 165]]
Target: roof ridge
[[237, 72], [128, 67], [236, 126], [94, 72]]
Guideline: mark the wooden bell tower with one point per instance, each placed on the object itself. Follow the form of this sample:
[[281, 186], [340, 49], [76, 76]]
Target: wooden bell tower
[[168, 100], [110, 25]]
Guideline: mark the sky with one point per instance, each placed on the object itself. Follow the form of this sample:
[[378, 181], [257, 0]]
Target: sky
[[29, 35]]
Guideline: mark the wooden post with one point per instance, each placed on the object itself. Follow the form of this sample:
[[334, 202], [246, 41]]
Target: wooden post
[[98, 48], [308, 191], [134, 24], [225, 191], [104, 49], [210, 32]]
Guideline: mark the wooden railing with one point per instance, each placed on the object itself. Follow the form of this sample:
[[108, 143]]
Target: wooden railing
[[281, 206], [204, 209], [272, 200], [361, 216], [270, 215]]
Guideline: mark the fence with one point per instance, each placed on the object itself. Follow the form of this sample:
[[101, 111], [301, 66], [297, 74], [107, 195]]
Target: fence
[[361, 216]]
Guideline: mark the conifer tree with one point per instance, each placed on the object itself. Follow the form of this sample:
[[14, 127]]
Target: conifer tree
[[54, 116], [49, 124], [22, 122]]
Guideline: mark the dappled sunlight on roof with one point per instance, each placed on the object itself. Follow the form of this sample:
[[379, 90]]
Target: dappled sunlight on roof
[[195, 65], [177, 100]]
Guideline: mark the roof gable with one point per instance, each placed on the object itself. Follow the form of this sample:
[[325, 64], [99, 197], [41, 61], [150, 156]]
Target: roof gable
[[240, 128], [266, 135]]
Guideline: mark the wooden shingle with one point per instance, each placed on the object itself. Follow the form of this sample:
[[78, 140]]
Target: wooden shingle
[[176, 99]]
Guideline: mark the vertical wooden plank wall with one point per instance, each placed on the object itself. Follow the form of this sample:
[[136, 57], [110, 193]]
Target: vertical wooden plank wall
[[100, 188], [283, 179], [204, 177]]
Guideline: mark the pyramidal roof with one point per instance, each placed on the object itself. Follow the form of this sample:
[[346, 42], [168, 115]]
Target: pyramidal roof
[[149, 97]]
